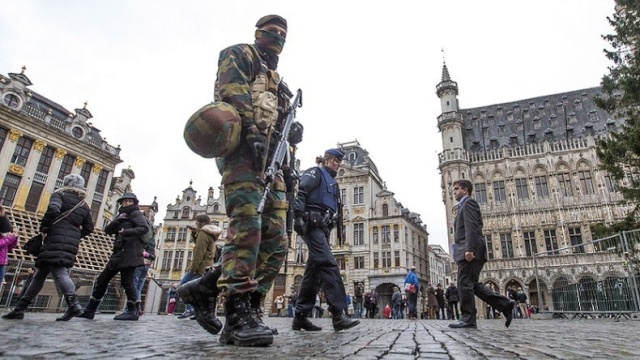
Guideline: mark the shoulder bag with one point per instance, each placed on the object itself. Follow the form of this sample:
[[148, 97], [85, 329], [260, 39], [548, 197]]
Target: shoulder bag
[[33, 246]]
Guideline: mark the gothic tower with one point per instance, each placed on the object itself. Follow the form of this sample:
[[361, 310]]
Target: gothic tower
[[453, 161]]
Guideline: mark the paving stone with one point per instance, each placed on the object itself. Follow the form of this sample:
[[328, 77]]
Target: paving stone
[[39, 336]]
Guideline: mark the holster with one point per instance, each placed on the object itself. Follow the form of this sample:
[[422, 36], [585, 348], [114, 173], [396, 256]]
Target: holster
[[314, 218]]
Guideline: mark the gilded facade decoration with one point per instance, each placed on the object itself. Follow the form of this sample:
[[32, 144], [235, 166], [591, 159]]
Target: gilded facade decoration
[[60, 153], [16, 169], [80, 161], [39, 145], [97, 168], [14, 135]]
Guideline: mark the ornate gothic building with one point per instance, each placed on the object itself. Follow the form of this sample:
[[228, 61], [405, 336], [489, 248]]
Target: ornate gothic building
[[535, 173]]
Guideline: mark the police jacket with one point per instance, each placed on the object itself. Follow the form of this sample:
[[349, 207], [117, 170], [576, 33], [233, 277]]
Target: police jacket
[[318, 191], [60, 246], [128, 247]]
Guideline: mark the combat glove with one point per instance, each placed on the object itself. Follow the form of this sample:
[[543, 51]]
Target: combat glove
[[295, 133], [258, 149], [300, 226]]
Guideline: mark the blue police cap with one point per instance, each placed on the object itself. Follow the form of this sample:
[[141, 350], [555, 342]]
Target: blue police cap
[[337, 153]]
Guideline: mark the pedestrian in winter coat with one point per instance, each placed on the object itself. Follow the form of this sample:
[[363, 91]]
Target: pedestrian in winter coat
[[452, 298], [441, 302], [66, 221], [173, 299], [432, 301], [8, 240], [412, 288], [396, 301], [129, 226], [387, 312], [522, 302]]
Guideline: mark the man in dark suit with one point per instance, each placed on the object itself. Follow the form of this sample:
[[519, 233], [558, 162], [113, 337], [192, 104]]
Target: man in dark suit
[[470, 255]]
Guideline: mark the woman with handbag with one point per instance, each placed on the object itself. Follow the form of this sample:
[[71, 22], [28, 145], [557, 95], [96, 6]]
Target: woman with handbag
[[66, 222]]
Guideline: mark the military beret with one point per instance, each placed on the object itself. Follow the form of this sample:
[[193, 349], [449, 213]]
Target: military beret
[[272, 19], [337, 153]]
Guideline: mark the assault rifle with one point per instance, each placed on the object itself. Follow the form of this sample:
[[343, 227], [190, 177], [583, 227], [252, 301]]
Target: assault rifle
[[281, 150]]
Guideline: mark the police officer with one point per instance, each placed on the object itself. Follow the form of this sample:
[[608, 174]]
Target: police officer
[[315, 209]]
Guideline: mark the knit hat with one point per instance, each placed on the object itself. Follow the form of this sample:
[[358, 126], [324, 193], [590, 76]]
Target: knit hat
[[130, 196], [73, 180]]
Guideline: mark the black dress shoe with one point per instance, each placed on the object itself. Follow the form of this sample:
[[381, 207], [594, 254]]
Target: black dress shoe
[[461, 325], [508, 313]]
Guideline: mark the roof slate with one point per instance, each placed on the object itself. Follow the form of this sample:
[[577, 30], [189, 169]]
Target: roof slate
[[536, 120]]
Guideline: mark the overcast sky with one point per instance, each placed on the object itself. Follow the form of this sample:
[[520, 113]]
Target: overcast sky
[[368, 70]]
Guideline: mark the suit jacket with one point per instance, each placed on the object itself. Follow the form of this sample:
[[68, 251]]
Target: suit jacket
[[468, 231]]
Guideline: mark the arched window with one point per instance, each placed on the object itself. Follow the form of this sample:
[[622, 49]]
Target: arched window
[[216, 208], [185, 212], [385, 210]]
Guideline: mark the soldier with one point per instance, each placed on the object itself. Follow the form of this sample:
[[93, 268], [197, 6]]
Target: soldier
[[317, 203], [255, 247]]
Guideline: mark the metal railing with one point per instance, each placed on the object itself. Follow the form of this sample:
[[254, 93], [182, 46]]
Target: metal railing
[[609, 289]]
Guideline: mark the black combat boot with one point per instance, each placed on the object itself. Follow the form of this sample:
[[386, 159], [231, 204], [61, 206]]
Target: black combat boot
[[202, 294], [240, 328], [18, 312], [90, 311], [302, 322], [342, 322], [132, 312], [73, 308], [255, 302]]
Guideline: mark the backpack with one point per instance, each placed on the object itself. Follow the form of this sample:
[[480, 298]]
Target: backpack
[[148, 237]]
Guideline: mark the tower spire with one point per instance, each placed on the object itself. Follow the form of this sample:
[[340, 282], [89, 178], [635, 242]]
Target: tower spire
[[445, 71]]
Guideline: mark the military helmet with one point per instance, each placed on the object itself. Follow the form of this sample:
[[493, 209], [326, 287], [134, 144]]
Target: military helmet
[[214, 130]]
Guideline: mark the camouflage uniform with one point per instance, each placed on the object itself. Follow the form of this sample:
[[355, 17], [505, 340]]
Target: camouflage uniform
[[255, 247]]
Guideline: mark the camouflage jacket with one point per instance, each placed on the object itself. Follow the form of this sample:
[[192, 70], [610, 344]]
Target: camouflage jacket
[[238, 67]]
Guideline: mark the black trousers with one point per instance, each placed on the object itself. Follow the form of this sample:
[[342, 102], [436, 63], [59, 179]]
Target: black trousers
[[321, 272], [468, 286], [126, 278]]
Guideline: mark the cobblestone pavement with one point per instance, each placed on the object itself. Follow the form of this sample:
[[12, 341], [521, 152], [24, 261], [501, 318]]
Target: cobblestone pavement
[[39, 336]]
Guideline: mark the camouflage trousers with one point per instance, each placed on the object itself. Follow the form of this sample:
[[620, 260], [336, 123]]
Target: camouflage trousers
[[256, 246]]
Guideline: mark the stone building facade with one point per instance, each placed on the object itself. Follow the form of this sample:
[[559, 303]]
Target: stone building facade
[[175, 250], [536, 175], [439, 265], [42, 142]]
